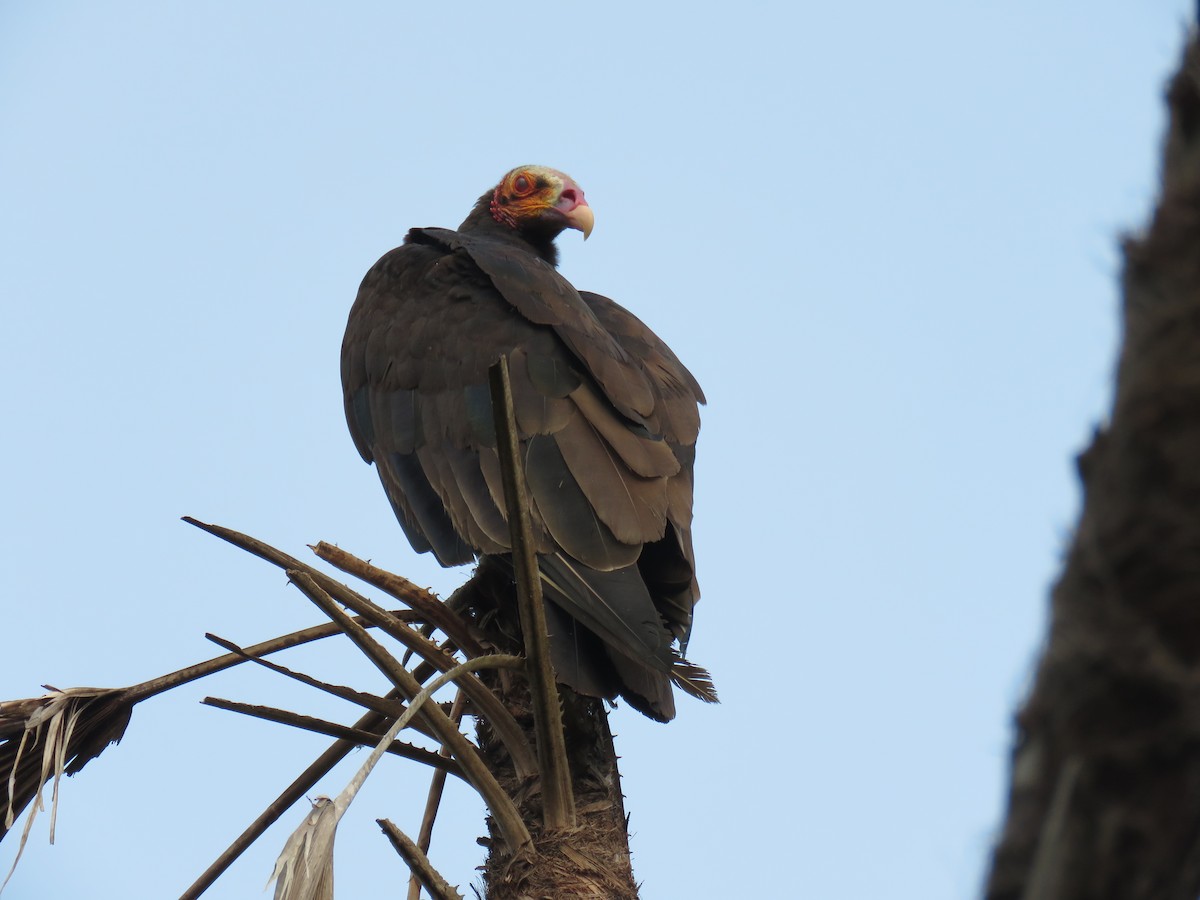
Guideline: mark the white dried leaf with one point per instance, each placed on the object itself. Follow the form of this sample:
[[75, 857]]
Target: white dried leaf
[[304, 870]]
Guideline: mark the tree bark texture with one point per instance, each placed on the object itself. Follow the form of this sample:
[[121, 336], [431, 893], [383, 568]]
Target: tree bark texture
[[590, 860], [1105, 782]]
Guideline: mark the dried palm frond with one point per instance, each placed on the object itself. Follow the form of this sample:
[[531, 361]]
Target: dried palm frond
[[309, 579], [558, 799], [401, 588], [304, 869], [423, 872], [43, 738], [425, 603], [73, 726], [358, 736], [434, 799]]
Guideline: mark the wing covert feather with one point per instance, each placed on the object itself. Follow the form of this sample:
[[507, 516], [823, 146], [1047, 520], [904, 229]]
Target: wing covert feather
[[569, 518], [634, 508]]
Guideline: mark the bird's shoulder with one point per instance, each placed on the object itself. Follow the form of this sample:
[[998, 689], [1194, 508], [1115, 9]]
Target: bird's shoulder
[[415, 273]]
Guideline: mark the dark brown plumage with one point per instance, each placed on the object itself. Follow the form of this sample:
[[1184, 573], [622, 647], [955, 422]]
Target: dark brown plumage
[[607, 415]]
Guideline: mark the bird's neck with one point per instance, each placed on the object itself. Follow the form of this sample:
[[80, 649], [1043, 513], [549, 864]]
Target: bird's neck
[[481, 223]]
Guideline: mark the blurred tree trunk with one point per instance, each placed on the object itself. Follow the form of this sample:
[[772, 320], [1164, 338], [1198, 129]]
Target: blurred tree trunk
[[1105, 791]]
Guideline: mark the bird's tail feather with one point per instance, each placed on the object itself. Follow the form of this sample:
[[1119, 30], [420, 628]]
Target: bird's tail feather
[[615, 606], [694, 679]]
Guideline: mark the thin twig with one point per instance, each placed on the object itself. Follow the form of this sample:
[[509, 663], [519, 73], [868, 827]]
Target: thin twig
[[442, 764], [418, 863], [138, 692], [557, 799], [285, 561], [437, 784], [389, 708]]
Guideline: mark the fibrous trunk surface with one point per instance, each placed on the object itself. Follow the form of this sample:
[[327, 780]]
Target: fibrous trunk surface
[[1105, 794]]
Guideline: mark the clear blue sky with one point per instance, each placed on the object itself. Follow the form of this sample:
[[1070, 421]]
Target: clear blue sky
[[883, 236]]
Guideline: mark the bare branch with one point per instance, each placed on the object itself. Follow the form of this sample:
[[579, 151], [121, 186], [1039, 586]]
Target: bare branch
[[436, 785], [425, 603], [384, 705], [474, 769], [293, 792], [338, 750], [557, 798], [419, 864], [443, 764], [104, 714], [304, 869], [344, 594], [146, 689], [486, 703]]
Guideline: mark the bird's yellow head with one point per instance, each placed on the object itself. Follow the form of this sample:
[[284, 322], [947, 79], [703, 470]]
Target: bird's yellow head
[[541, 199]]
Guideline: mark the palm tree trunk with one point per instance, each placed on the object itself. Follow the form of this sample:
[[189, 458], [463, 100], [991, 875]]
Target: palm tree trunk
[[1105, 792]]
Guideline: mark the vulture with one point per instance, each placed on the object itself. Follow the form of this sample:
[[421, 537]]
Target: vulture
[[607, 419]]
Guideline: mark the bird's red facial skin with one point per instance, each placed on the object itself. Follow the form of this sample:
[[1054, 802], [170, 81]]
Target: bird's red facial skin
[[530, 192]]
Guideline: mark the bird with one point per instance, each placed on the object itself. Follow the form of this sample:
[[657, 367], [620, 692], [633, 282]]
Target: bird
[[607, 419]]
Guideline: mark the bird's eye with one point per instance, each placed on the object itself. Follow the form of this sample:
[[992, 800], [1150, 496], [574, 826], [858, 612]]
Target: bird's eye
[[522, 184]]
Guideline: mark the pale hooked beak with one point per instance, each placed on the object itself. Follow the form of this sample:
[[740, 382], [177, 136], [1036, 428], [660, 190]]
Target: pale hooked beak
[[573, 205], [582, 218]]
